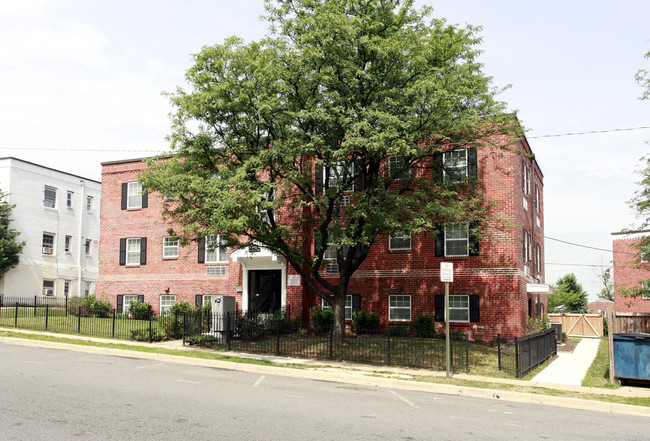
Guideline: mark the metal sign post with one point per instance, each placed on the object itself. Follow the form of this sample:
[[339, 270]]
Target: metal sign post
[[447, 276]]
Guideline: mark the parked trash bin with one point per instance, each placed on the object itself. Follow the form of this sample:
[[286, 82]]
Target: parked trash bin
[[557, 326], [632, 356]]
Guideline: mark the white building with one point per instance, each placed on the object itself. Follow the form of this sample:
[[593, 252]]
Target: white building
[[57, 215]]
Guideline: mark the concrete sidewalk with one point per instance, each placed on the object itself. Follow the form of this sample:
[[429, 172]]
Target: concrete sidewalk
[[570, 367]]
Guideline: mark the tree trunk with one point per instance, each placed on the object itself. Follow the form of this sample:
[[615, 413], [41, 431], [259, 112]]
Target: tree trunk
[[339, 319]]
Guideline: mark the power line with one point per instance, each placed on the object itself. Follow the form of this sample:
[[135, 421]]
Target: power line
[[133, 150], [586, 246]]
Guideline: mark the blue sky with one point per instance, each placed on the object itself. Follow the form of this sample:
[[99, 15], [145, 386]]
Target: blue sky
[[81, 84]]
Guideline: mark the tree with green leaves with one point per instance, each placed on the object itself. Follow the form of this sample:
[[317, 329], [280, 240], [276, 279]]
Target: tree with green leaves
[[319, 138], [10, 248], [605, 277], [568, 295]]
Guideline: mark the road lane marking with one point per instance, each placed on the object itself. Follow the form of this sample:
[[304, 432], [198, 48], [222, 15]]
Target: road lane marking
[[402, 398], [35, 362], [149, 365], [259, 381], [187, 381]]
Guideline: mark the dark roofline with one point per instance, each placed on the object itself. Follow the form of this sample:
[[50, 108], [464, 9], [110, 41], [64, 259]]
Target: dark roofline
[[630, 232], [125, 161], [50, 168]]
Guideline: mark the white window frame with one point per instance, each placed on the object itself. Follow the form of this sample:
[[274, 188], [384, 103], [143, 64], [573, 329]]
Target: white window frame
[[87, 287], [207, 296], [525, 177], [170, 247], [331, 251], [49, 202], [67, 244], [69, 199], [538, 201], [451, 160], [134, 195], [397, 243], [396, 303], [398, 168], [526, 246], [348, 306], [47, 246], [337, 171], [448, 240], [89, 203], [133, 249], [66, 288], [219, 253], [127, 300], [644, 254], [49, 285], [166, 302], [88, 247], [456, 306]]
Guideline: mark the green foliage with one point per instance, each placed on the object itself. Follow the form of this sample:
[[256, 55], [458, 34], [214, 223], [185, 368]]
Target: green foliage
[[538, 324], [568, 296], [10, 248], [364, 321], [143, 335], [181, 308], [252, 326], [605, 277], [321, 320], [397, 331], [339, 86], [74, 303], [425, 325], [140, 310], [100, 308], [202, 340]]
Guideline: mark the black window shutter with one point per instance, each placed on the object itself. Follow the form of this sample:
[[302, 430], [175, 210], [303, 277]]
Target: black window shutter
[[473, 239], [198, 300], [474, 315], [356, 303], [440, 308], [143, 251], [440, 242], [318, 179], [472, 163], [122, 251], [437, 167], [141, 298], [120, 304], [125, 190], [145, 197], [358, 173], [201, 257]]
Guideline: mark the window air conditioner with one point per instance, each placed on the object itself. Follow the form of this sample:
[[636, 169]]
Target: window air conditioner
[[48, 292], [47, 250]]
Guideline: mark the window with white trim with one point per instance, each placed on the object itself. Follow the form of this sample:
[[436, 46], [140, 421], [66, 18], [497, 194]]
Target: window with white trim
[[133, 251], [66, 288], [330, 251], [348, 306], [400, 242], [216, 249], [644, 251], [67, 241], [398, 167], [86, 289], [526, 240], [134, 195], [399, 308], [342, 170], [538, 200], [645, 289], [459, 308], [207, 299], [455, 165], [88, 247], [525, 177], [89, 203], [48, 243], [128, 300], [49, 197], [457, 239], [48, 287], [170, 247], [166, 302], [69, 199]]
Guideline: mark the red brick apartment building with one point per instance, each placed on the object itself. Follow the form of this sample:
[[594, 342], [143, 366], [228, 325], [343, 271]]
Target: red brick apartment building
[[631, 274], [495, 290]]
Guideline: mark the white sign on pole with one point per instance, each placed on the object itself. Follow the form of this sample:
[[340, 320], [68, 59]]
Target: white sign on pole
[[446, 272]]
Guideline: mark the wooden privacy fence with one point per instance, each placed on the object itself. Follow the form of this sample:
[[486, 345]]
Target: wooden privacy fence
[[618, 322], [579, 325]]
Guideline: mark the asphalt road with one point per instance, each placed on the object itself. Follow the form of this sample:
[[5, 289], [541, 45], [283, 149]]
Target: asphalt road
[[58, 394]]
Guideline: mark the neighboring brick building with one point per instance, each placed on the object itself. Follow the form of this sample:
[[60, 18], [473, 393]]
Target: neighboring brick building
[[495, 290], [631, 273]]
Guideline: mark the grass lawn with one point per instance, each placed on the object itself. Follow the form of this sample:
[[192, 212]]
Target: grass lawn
[[598, 373]]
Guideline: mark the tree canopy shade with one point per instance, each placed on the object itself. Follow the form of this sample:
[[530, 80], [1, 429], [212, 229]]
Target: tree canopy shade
[[328, 133], [10, 249], [568, 295]]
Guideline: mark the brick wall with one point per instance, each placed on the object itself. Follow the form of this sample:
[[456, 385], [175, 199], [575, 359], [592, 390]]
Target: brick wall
[[628, 273]]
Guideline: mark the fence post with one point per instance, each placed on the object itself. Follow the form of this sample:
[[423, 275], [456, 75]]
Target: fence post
[[499, 350], [451, 352], [517, 364], [388, 349], [47, 315], [227, 329], [66, 305], [175, 327], [277, 341], [113, 331], [466, 353], [331, 342], [184, 321], [79, 321], [16, 316], [34, 306], [150, 314]]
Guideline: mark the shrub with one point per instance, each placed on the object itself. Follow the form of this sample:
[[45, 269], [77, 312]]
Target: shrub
[[202, 340], [539, 324], [322, 319], [143, 335], [180, 308], [365, 321], [74, 303], [397, 331], [251, 326], [140, 310], [425, 325], [99, 308]]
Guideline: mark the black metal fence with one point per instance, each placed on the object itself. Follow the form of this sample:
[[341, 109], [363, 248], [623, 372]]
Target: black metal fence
[[521, 355], [278, 334]]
